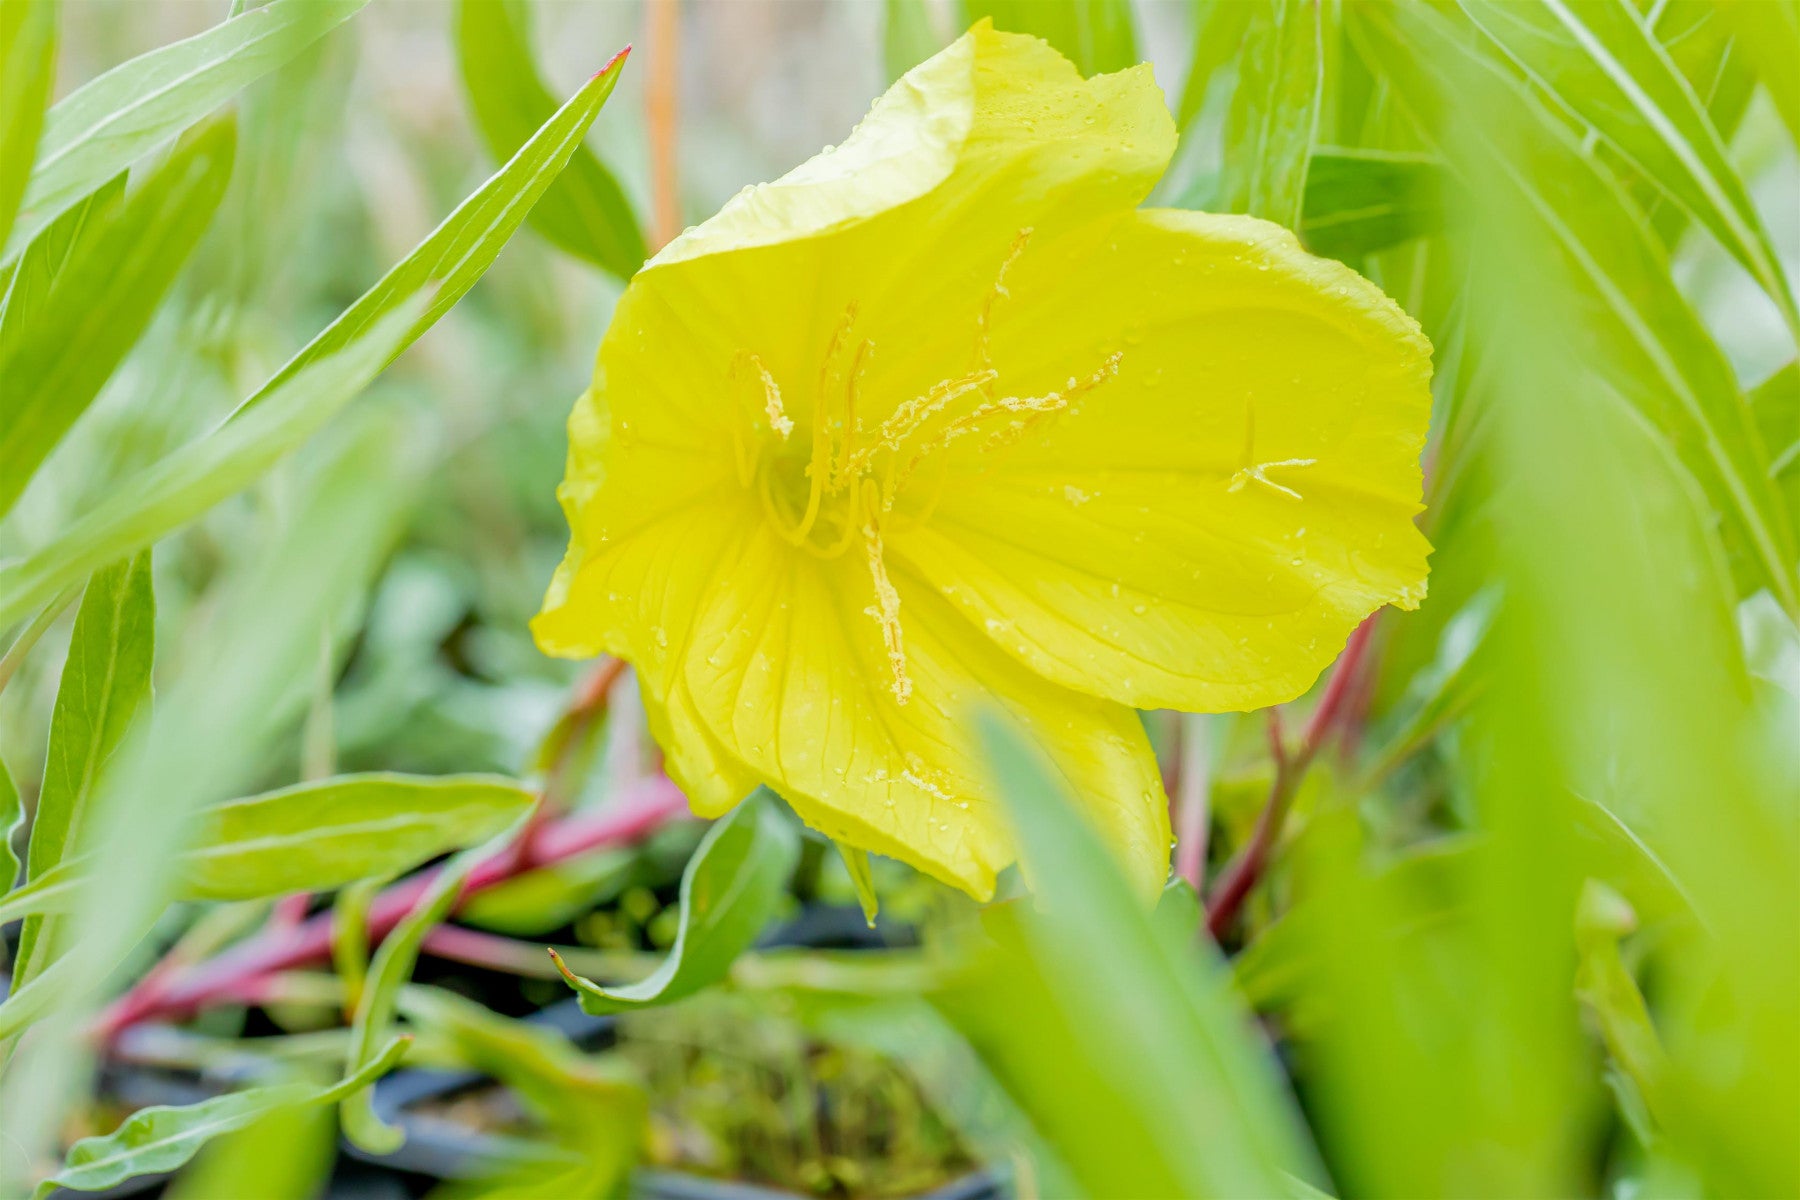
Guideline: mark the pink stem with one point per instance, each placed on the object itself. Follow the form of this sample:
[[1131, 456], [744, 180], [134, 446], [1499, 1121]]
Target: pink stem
[[1241, 876], [237, 972]]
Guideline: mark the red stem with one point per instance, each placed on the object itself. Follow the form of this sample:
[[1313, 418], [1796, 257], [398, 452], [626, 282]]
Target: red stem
[[238, 972], [1246, 870]]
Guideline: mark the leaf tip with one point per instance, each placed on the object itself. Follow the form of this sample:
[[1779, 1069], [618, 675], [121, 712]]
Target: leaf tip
[[612, 63]]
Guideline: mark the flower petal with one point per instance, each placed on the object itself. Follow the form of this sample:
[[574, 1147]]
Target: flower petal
[[1122, 547], [788, 671]]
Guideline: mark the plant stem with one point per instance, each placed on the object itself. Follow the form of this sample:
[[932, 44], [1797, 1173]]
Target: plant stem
[[14, 658], [1193, 795], [238, 972], [1246, 870], [661, 104]]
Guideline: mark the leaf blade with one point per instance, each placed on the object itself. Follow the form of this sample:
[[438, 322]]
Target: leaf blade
[[106, 125], [27, 71], [1274, 117], [728, 893]]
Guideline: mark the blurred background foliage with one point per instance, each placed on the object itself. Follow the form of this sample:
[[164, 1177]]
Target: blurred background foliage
[[1510, 906]]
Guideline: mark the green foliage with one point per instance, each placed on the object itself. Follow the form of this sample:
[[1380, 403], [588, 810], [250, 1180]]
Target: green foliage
[[732, 887], [104, 295], [103, 127], [164, 1138], [27, 70], [1096, 35], [331, 832], [583, 211], [1360, 202], [1274, 117]]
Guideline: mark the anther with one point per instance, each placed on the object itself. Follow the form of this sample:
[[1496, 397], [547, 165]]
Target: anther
[[779, 421], [886, 609]]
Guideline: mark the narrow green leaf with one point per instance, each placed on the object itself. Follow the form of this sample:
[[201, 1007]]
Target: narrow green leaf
[[1606, 989], [1597, 58], [164, 1138], [1096, 35], [1666, 366], [1362, 201], [907, 36], [732, 887], [29, 278], [12, 815], [105, 680], [103, 300], [856, 862], [105, 126], [389, 971], [584, 211], [1219, 31], [319, 836], [286, 1154], [193, 479], [27, 71], [1776, 403], [1768, 31], [1120, 1097], [460, 250], [1274, 116]]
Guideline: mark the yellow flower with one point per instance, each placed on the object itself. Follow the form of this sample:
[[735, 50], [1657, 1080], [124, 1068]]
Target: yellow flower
[[941, 420]]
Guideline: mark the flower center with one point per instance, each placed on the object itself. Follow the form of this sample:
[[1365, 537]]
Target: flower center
[[840, 484]]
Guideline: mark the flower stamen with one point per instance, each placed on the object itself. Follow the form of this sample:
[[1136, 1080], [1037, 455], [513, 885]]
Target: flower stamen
[[886, 609], [985, 319]]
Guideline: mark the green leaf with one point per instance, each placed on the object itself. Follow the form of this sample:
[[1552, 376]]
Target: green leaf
[[1663, 363], [1096, 35], [856, 862], [389, 971], [286, 1154], [908, 37], [1768, 31], [1776, 403], [322, 835], [460, 250], [584, 212], [1219, 31], [105, 680], [1598, 60], [27, 71], [1362, 201], [29, 278], [1115, 1032], [193, 479], [105, 126], [102, 301], [164, 1138], [732, 887], [12, 815], [1274, 116], [1606, 989]]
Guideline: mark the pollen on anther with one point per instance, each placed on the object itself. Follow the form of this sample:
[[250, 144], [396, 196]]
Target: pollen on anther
[[779, 421], [886, 611]]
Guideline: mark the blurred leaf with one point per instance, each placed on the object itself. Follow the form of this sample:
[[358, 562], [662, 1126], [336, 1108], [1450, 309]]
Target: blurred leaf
[[907, 37], [29, 278], [211, 732], [1362, 201], [27, 72], [460, 250], [542, 900], [1606, 989], [733, 885], [286, 1154], [583, 211], [102, 301], [1666, 365], [319, 836], [12, 815], [198, 476], [856, 862], [1597, 59], [1219, 27], [1096, 35], [1442, 690], [164, 1138], [350, 937], [1776, 403], [105, 680], [1768, 31], [1123, 1044], [585, 1105], [1274, 114], [389, 971], [106, 125]]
